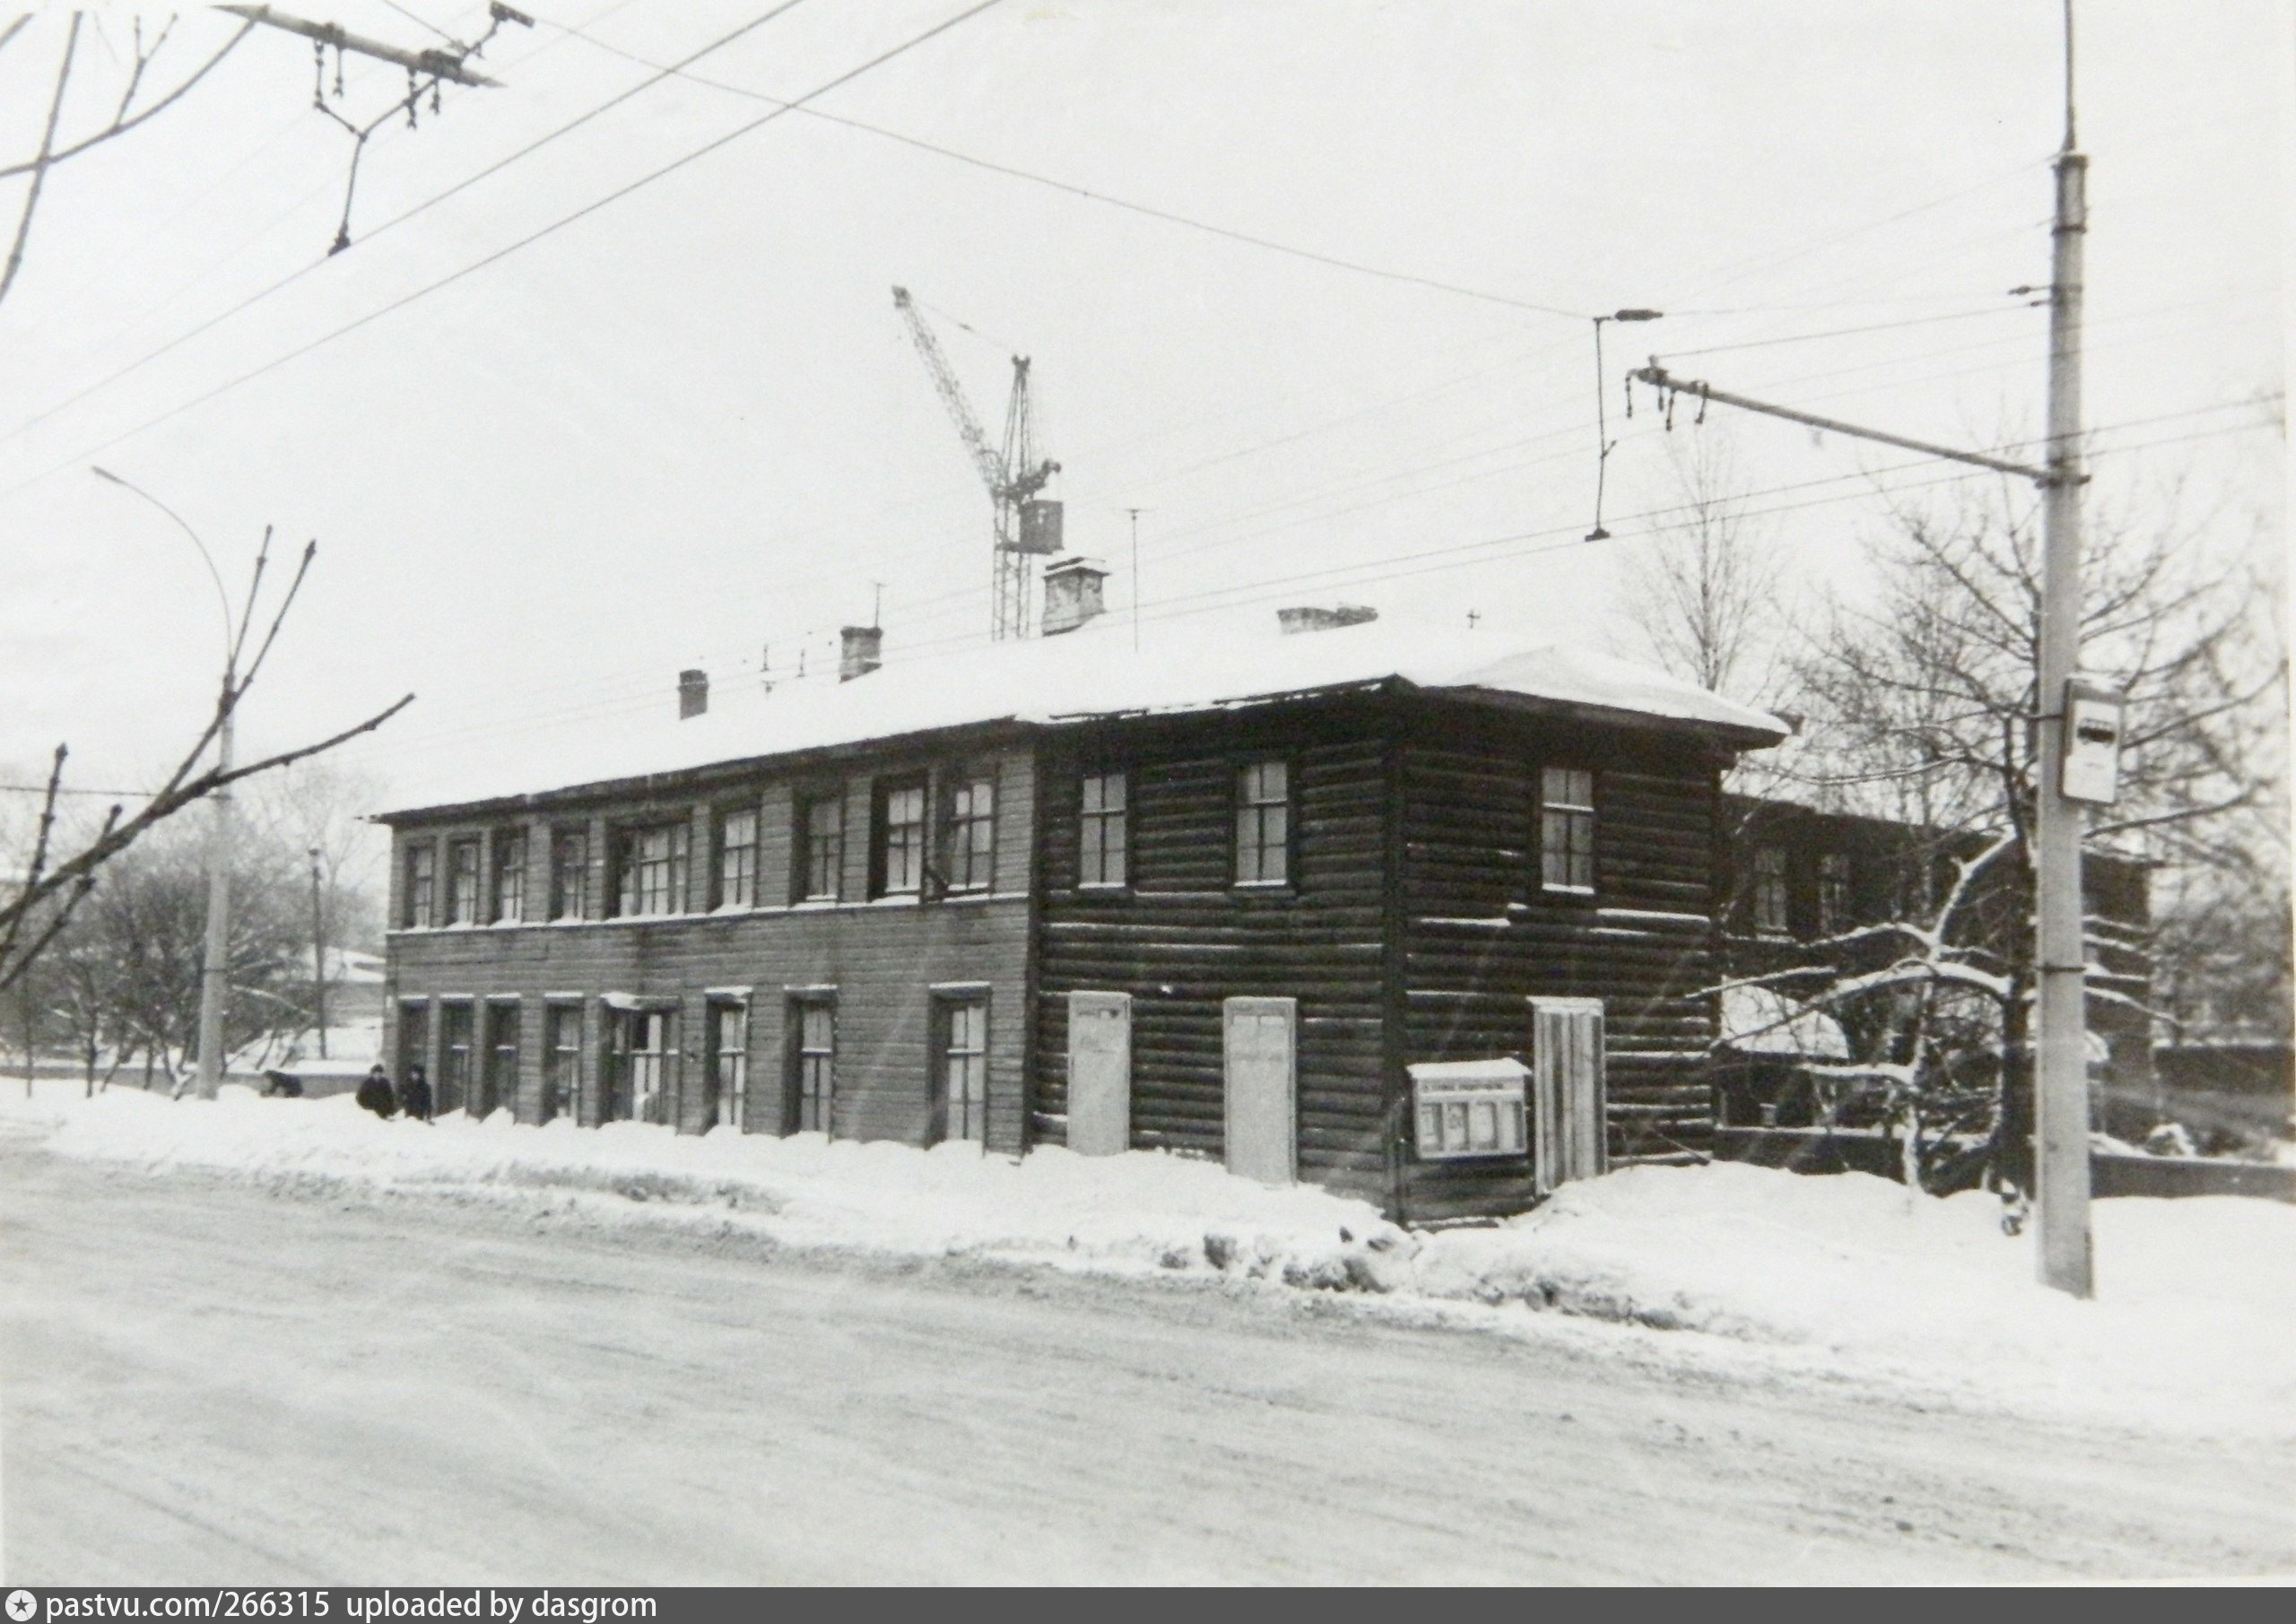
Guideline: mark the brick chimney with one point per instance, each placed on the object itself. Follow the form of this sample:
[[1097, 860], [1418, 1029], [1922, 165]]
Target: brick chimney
[[1072, 594], [862, 653], [693, 693], [1317, 618]]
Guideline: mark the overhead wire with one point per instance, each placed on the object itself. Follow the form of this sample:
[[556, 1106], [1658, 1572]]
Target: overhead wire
[[515, 246]]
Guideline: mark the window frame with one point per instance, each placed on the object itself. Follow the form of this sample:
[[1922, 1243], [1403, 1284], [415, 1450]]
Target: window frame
[[454, 1079], [505, 903], [569, 883], [420, 902], [949, 1009], [501, 1089], [1837, 909], [881, 795], [559, 1098], [721, 850], [1768, 879], [1092, 824], [671, 866], [813, 832], [964, 784], [1242, 806], [797, 1094], [1572, 816], [473, 848], [728, 1095]]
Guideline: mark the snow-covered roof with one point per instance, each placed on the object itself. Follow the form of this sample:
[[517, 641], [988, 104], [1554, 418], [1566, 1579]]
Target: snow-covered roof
[[1095, 672], [1762, 1020]]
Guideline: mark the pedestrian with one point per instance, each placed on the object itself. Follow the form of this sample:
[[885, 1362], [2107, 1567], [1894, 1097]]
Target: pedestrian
[[415, 1095], [375, 1093]]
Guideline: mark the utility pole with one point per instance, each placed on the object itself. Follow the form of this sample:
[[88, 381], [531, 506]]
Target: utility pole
[[2061, 1064], [1135, 513], [318, 953], [2061, 1060]]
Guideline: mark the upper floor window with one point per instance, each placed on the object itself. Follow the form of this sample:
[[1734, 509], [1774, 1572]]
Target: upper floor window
[[421, 885], [969, 857], [509, 901], [1567, 829], [1100, 837], [462, 882], [1833, 893], [650, 864], [736, 877], [820, 847], [569, 874], [896, 840], [1770, 915], [1263, 823]]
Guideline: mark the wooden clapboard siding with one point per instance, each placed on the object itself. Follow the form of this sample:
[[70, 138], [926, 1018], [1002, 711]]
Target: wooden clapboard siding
[[1480, 937], [1182, 938], [884, 958]]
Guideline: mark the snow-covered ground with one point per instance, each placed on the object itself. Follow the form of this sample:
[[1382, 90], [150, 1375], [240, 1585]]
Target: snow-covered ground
[[2192, 1328]]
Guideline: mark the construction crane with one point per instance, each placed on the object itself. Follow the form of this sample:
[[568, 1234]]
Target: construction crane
[[1027, 524]]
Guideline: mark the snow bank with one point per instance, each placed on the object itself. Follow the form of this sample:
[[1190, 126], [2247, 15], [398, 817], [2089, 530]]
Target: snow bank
[[1847, 1274]]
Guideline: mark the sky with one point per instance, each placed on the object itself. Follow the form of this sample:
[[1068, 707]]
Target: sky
[[567, 418]]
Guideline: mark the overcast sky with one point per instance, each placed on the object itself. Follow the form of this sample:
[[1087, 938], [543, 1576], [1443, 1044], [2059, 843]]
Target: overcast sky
[[687, 427]]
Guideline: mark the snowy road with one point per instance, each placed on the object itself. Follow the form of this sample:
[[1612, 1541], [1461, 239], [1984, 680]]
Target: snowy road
[[203, 1383]]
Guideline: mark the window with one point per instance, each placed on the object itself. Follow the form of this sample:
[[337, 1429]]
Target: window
[[814, 1022], [729, 1063], [645, 1049], [736, 879], [414, 1036], [969, 857], [1263, 823], [1833, 893], [569, 874], [422, 886], [462, 882], [820, 847], [650, 865], [1770, 890], [1101, 843], [562, 1060], [897, 854], [500, 1090], [509, 876], [964, 1070], [1567, 829], [454, 1023]]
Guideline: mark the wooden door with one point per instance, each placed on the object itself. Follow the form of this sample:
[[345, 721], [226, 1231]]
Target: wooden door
[[1258, 1043], [1099, 1073], [1569, 1103]]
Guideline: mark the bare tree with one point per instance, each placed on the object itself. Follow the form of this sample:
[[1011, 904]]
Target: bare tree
[[1705, 593], [1925, 705], [54, 148], [57, 880]]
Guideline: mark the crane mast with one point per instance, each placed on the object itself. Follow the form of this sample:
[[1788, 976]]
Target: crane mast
[[1026, 524]]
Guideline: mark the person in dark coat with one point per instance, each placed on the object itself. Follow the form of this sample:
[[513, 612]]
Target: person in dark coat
[[375, 1093], [415, 1094]]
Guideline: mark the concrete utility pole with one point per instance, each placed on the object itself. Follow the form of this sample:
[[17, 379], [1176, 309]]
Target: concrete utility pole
[[318, 953], [2061, 1059], [215, 967], [2061, 1066]]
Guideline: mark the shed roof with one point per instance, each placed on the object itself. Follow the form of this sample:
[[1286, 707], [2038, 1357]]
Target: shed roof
[[1096, 673]]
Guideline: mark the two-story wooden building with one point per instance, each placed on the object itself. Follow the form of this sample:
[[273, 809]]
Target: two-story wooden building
[[1290, 899]]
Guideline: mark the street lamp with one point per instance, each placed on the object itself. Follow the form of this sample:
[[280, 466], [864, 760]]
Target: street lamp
[[214, 961]]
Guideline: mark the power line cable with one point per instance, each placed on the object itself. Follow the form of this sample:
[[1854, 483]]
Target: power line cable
[[531, 238]]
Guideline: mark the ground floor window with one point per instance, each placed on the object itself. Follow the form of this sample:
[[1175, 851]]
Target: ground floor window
[[812, 1059], [455, 1040], [644, 1049], [561, 1061], [729, 1063], [963, 1053], [414, 1037], [499, 1088]]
